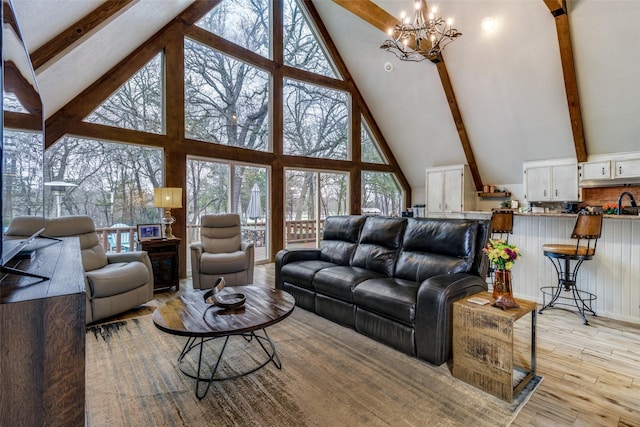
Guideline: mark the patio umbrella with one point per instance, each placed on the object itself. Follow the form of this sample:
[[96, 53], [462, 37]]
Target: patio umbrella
[[254, 208]]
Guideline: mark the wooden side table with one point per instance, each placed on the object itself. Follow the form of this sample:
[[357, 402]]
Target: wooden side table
[[165, 261], [483, 346]]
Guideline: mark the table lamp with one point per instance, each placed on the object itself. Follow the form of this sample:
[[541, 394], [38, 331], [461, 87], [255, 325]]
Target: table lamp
[[167, 198]]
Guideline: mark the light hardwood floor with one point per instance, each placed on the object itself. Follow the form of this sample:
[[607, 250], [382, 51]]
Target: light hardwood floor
[[591, 373]]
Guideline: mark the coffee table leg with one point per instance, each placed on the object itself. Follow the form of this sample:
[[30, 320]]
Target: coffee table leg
[[273, 356], [193, 342]]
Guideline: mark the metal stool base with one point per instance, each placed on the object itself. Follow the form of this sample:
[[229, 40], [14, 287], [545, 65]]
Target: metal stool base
[[578, 298]]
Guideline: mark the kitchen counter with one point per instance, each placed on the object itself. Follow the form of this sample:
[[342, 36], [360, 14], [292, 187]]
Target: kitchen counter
[[487, 214], [612, 274]]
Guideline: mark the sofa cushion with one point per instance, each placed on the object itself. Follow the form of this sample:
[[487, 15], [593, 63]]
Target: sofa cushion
[[301, 273], [339, 282], [389, 297], [379, 244], [339, 238], [117, 278], [221, 263], [436, 246]]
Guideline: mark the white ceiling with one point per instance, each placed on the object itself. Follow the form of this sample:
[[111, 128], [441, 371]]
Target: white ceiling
[[508, 83]]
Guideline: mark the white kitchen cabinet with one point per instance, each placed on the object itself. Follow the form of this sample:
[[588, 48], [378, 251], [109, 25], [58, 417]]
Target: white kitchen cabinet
[[551, 182], [595, 170], [449, 189], [629, 168]]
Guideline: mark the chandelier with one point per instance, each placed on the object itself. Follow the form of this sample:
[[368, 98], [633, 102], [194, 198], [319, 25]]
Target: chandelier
[[420, 38]]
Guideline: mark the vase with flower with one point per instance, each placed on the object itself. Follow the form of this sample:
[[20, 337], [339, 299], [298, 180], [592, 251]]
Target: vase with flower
[[502, 255]]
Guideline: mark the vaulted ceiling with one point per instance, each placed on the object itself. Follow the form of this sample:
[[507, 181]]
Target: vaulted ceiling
[[508, 84]]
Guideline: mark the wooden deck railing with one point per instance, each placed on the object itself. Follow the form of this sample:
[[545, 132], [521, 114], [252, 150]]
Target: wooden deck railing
[[122, 239]]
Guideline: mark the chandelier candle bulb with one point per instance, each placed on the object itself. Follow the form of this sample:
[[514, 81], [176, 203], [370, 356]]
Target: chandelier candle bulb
[[409, 40]]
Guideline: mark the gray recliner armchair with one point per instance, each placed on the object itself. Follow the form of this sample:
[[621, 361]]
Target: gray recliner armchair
[[221, 252], [114, 282]]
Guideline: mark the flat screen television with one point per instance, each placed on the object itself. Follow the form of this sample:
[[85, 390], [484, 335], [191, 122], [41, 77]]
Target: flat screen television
[[22, 141]]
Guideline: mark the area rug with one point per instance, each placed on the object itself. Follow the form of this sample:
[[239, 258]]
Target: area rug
[[330, 376]]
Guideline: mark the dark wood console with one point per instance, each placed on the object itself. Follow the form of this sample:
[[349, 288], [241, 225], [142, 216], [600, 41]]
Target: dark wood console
[[42, 337]]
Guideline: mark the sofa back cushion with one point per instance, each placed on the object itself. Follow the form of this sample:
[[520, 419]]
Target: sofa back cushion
[[340, 237], [440, 246], [380, 242]]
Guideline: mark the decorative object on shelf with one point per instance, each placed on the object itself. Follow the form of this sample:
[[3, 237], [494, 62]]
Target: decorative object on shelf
[[502, 255], [421, 37], [167, 198], [610, 208]]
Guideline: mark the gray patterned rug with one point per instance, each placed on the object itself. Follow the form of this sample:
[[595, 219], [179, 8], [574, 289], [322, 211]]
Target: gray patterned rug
[[331, 376]]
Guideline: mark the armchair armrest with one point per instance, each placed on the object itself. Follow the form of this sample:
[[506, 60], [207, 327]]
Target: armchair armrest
[[249, 249], [434, 311], [286, 256], [127, 256], [140, 256], [196, 254]]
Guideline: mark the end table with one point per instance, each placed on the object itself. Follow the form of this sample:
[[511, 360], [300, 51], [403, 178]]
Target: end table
[[165, 261], [483, 346]]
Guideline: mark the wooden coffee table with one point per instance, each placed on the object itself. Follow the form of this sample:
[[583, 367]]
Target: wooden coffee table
[[190, 316]]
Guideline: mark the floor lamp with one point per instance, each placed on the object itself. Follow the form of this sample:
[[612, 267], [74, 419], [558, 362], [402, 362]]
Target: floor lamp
[[167, 198]]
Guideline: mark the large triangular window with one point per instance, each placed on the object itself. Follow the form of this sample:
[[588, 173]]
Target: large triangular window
[[137, 104], [301, 46], [243, 22], [371, 152]]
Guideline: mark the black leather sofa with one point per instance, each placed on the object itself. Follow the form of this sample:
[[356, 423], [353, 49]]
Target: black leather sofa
[[392, 279]]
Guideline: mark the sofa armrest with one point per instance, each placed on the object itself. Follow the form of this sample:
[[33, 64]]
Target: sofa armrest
[[140, 256], [286, 256], [434, 312]]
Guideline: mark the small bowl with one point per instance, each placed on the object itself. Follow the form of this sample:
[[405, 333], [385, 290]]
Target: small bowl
[[229, 300]]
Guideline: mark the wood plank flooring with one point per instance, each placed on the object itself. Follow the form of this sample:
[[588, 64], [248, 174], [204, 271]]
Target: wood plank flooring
[[591, 373]]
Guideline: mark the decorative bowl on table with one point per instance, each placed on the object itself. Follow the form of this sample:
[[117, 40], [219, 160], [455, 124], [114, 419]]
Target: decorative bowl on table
[[228, 301]]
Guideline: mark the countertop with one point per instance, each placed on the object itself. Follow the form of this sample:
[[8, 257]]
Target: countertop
[[487, 214]]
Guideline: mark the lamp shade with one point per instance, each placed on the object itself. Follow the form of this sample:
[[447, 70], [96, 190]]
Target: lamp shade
[[167, 197]]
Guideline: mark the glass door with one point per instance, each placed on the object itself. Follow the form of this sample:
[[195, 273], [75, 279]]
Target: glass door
[[311, 196]]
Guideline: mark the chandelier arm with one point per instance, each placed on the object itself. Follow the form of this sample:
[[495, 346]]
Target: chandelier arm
[[407, 40]]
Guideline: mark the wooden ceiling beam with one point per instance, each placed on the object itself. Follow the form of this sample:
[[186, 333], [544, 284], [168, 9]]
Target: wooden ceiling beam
[[557, 7], [370, 12], [381, 19], [559, 11], [75, 32]]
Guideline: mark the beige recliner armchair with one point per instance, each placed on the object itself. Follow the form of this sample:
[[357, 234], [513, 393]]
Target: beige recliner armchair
[[221, 252], [115, 282]]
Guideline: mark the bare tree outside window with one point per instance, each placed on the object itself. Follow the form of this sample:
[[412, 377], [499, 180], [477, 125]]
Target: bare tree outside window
[[301, 47], [137, 104], [316, 121], [226, 100], [114, 181], [243, 22], [381, 192]]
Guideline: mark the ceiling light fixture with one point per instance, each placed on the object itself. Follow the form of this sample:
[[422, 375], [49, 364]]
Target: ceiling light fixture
[[488, 23], [420, 38]]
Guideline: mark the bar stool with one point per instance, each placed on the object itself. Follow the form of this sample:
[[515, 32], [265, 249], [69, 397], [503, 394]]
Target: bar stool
[[588, 228], [501, 228]]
